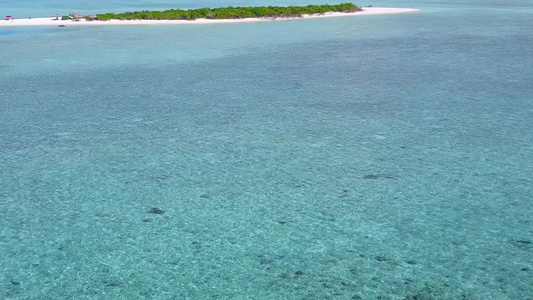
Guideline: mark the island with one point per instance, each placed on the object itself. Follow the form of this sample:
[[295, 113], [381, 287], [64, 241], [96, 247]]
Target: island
[[232, 12], [207, 15]]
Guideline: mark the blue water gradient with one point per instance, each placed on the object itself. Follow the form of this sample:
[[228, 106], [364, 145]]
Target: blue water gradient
[[378, 157]]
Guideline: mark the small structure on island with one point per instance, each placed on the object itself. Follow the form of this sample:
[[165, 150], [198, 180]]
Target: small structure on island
[[57, 16], [75, 16], [92, 17]]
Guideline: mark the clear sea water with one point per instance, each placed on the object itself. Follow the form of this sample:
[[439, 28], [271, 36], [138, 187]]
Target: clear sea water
[[378, 157]]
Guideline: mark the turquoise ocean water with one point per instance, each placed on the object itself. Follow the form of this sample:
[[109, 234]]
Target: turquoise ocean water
[[378, 157]]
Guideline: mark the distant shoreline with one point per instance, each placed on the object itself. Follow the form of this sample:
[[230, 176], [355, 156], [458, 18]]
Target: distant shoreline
[[55, 23]]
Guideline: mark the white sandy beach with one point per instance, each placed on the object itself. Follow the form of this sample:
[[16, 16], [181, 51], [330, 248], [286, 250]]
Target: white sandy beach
[[52, 22]]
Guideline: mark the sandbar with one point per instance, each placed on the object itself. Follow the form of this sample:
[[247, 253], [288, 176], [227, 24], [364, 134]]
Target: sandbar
[[52, 22]]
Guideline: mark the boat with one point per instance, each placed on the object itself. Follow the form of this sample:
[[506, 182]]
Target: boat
[[62, 25]]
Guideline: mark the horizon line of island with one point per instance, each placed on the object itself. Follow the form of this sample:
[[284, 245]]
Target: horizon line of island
[[207, 15]]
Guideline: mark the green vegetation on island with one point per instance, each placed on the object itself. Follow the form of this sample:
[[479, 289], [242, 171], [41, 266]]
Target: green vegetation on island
[[231, 12]]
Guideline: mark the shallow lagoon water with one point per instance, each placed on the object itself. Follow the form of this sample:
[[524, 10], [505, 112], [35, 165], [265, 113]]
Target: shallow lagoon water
[[380, 157]]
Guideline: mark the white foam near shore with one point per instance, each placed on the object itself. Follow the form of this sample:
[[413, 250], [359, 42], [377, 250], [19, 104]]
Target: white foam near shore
[[52, 22]]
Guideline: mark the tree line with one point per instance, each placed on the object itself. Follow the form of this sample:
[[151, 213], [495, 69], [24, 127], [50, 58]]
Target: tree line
[[230, 12]]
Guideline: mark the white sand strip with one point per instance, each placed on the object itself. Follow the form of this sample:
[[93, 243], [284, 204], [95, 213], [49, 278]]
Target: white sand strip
[[51, 22]]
